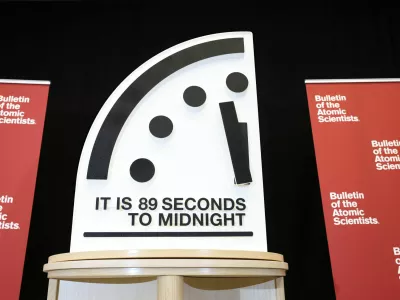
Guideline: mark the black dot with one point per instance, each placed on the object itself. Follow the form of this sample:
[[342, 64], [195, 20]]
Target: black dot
[[237, 82], [194, 96], [142, 170], [161, 126]]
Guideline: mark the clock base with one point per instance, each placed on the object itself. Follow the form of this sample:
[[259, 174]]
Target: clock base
[[202, 269]]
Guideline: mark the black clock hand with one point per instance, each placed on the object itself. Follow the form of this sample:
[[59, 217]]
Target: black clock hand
[[245, 140], [236, 135]]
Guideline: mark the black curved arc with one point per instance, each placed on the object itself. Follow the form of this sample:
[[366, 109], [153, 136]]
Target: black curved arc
[[106, 138]]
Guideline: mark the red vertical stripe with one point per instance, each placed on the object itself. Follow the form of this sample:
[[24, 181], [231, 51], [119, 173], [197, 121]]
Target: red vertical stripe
[[19, 156], [362, 256]]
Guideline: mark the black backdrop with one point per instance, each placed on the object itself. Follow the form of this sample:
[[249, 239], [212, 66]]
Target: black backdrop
[[87, 49]]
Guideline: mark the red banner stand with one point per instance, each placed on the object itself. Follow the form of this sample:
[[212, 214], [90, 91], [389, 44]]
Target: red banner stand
[[22, 114], [356, 129]]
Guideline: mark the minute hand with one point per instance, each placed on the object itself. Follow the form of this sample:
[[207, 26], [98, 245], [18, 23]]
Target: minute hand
[[236, 135]]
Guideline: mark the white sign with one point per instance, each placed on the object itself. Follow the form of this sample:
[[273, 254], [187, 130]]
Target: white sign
[[173, 158]]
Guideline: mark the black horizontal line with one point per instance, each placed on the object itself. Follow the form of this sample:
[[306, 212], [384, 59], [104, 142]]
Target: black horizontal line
[[169, 234]]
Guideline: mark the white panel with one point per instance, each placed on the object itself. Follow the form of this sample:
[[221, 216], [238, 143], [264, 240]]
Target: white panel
[[42, 82], [193, 162], [371, 80]]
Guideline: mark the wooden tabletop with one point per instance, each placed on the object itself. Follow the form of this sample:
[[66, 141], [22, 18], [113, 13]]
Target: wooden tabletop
[[166, 254], [205, 269]]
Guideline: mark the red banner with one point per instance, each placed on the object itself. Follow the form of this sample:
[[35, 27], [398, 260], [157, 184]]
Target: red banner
[[356, 129], [22, 114]]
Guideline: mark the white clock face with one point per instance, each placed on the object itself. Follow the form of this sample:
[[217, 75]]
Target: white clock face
[[173, 158]]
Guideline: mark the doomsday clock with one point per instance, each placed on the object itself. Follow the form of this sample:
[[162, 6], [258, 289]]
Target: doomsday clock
[[173, 158]]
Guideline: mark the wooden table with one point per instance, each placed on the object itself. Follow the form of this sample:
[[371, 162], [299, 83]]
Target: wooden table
[[200, 268]]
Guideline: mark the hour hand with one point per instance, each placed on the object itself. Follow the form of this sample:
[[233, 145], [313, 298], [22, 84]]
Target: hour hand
[[236, 135]]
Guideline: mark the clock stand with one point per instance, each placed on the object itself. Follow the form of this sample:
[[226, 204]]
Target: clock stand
[[203, 269]]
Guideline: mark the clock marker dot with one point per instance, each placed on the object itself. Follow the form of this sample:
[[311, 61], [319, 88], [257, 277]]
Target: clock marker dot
[[161, 126], [194, 96], [237, 82], [142, 170]]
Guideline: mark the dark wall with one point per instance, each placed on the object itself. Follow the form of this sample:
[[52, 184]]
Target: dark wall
[[87, 49]]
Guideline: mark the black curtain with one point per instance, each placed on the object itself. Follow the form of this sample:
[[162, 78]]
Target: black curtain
[[87, 49]]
